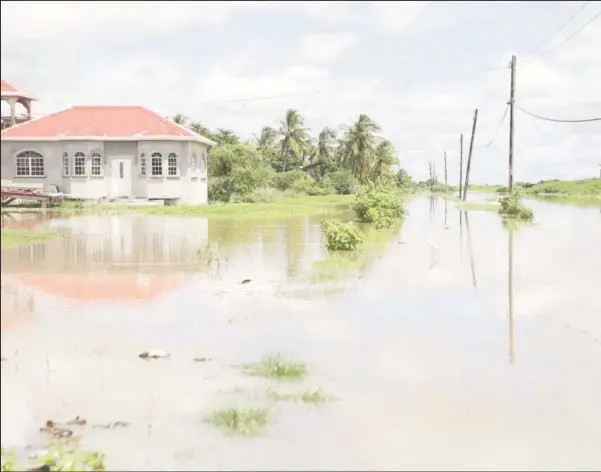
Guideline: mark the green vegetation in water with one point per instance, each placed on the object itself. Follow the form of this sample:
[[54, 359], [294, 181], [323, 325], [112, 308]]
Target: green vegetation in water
[[276, 367], [241, 421], [512, 208], [337, 265], [477, 206], [341, 236], [309, 396], [378, 204], [58, 459], [11, 238], [209, 255]]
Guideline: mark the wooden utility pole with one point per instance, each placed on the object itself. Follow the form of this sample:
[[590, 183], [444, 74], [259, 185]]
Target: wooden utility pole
[[430, 174], [460, 164], [511, 123], [445, 172], [469, 156]]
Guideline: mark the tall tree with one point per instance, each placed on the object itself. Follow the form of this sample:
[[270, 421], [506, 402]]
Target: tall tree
[[358, 146], [226, 136], [294, 138], [384, 157]]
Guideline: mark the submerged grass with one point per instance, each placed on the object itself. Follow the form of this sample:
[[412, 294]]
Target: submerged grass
[[276, 367], [57, 459], [241, 421], [309, 396], [476, 206], [283, 206], [11, 238]]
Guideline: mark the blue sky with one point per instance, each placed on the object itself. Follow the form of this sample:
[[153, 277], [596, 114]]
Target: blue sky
[[417, 68]]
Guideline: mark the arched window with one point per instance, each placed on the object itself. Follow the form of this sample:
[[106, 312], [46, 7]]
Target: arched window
[[30, 164], [96, 165], [143, 165], [156, 164], [79, 163], [203, 161], [172, 169], [66, 165]]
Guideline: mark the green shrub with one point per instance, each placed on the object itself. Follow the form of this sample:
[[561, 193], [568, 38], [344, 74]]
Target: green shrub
[[287, 180], [341, 236], [378, 204], [512, 207], [342, 182]]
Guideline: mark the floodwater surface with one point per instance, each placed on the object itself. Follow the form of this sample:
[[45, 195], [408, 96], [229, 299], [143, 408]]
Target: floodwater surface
[[452, 344]]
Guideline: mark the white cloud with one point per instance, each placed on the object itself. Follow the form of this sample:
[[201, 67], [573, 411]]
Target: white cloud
[[326, 47]]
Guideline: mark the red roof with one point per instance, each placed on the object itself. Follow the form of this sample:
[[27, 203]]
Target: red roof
[[102, 122], [9, 90]]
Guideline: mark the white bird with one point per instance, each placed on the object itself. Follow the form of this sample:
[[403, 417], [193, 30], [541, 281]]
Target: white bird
[[432, 244]]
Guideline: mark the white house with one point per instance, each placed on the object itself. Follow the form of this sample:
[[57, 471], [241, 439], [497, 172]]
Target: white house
[[107, 152]]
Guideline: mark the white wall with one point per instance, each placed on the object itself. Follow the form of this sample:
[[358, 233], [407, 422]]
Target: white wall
[[189, 187]]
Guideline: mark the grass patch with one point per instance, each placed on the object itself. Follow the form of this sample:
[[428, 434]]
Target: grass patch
[[475, 206], [282, 207], [241, 421], [11, 238], [512, 208], [58, 459], [309, 396], [341, 236], [276, 367]]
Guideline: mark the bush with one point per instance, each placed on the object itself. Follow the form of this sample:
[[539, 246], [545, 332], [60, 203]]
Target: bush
[[511, 207], [287, 180], [341, 182], [379, 205], [341, 236]]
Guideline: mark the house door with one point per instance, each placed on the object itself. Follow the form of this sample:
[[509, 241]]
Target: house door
[[122, 177]]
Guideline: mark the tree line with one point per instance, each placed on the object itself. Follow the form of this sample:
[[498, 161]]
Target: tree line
[[290, 158]]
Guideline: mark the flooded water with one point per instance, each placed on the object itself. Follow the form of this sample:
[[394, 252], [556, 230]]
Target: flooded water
[[461, 346]]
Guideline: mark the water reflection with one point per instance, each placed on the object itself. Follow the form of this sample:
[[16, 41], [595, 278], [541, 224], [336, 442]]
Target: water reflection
[[510, 292], [470, 249], [17, 304]]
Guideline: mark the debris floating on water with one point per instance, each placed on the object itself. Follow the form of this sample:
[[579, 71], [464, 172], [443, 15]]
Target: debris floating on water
[[154, 355], [77, 421], [114, 424], [245, 281], [202, 359]]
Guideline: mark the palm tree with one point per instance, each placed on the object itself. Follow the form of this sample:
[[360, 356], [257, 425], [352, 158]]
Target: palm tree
[[226, 136], [294, 136], [384, 157], [199, 128], [267, 138], [181, 119], [358, 146]]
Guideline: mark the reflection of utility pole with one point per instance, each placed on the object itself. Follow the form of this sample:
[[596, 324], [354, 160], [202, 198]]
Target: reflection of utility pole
[[470, 249], [460, 165], [445, 172], [461, 235], [510, 293]]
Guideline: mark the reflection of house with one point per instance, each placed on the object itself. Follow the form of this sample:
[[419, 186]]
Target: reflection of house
[[15, 304], [108, 152], [111, 257]]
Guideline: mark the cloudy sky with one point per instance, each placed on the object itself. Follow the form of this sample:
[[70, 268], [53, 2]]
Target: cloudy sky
[[418, 68]]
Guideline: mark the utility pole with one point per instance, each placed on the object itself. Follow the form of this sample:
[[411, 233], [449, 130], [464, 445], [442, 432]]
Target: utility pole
[[460, 164], [445, 172], [469, 156], [430, 174], [511, 123], [434, 174]]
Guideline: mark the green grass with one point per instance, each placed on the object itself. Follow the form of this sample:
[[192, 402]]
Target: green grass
[[276, 367], [281, 207], [309, 396], [475, 206], [11, 238], [58, 459], [583, 187], [241, 421]]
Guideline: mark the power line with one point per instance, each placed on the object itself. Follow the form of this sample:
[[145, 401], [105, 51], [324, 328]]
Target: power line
[[557, 120], [549, 37], [499, 128], [574, 33]]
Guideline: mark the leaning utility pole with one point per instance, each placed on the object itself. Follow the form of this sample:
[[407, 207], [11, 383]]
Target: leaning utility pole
[[445, 172], [460, 164], [469, 156], [511, 124]]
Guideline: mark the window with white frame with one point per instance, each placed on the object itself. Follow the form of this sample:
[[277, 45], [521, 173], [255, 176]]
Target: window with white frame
[[143, 165], [203, 161], [156, 164], [29, 164], [79, 164], [66, 165], [193, 160], [96, 166], [172, 170]]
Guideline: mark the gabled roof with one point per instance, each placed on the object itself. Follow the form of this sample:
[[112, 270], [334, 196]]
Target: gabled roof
[[8, 90], [102, 123]]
